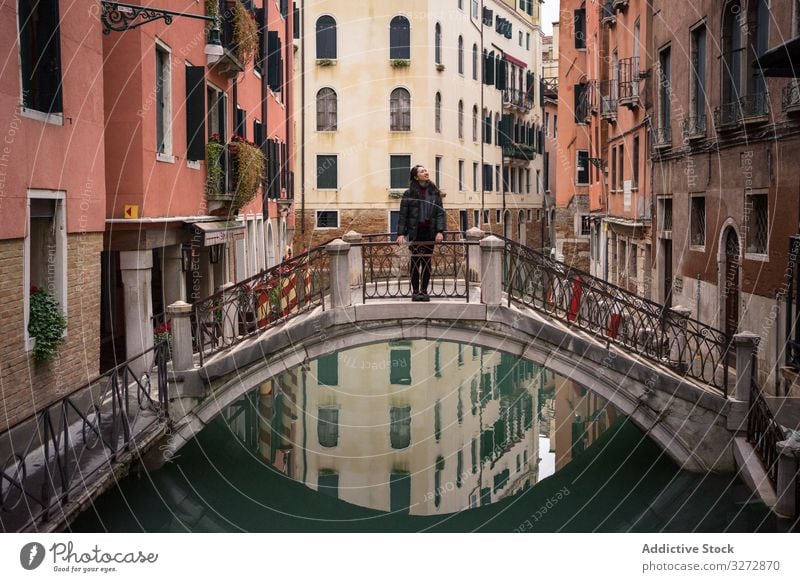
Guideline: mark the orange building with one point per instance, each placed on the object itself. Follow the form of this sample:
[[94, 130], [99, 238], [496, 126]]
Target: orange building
[[52, 198], [188, 137]]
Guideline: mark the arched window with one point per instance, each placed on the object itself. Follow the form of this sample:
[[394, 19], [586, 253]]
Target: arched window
[[438, 113], [460, 55], [475, 123], [399, 38], [326, 37], [475, 61], [731, 52], [326, 109], [437, 43], [487, 126], [400, 110], [497, 129], [758, 39], [460, 119]]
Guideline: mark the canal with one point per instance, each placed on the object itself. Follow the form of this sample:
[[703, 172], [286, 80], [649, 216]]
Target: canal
[[422, 436]]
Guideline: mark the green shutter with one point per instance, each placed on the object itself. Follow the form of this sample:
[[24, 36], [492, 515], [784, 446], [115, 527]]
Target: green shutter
[[328, 370]]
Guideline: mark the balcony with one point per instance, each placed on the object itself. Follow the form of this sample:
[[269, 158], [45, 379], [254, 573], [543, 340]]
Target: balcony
[[694, 128], [519, 151], [238, 33], [234, 173], [629, 82], [609, 14], [620, 4], [608, 100], [748, 110], [662, 138], [517, 99], [550, 87], [790, 100]]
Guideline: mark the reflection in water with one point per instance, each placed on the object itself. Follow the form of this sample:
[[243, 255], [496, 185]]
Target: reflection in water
[[419, 427]]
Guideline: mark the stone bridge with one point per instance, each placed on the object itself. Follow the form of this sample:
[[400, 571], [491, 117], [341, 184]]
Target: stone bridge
[[666, 372]]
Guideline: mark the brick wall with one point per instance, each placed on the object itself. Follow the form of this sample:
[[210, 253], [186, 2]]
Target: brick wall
[[25, 386]]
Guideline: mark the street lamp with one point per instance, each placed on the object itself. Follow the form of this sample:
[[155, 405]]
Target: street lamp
[[119, 17]]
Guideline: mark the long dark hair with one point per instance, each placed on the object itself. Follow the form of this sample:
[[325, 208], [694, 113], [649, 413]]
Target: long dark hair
[[414, 185]]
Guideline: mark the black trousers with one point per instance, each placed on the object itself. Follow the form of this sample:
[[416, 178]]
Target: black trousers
[[421, 254]]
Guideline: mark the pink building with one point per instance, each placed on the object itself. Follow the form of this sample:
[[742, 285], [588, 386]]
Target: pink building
[[52, 197], [187, 211]]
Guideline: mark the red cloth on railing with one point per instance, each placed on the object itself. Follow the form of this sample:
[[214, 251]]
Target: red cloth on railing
[[613, 325], [575, 300]]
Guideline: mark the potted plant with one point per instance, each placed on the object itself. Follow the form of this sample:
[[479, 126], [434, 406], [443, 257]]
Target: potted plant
[[249, 162], [163, 334], [46, 324], [214, 170], [245, 32], [398, 63], [326, 62]]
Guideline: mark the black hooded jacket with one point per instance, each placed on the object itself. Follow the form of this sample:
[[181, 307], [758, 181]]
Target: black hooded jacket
[[410, 211]]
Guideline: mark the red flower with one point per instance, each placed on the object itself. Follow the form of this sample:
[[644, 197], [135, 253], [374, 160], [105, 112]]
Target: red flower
[[34, 289]]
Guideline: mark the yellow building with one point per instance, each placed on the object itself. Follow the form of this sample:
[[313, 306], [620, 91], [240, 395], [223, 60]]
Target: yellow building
[[382, 86]]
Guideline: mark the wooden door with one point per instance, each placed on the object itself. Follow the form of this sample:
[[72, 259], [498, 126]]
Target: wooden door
[[731, 283]]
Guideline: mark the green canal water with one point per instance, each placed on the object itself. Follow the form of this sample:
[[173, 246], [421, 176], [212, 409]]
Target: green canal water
[[423, 436]]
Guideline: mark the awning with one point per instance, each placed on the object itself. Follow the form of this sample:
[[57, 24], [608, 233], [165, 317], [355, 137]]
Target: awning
[[515, 61], [217, 233], [782, 61]]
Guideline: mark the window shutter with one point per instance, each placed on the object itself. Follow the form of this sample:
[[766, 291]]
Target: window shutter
[[262, 49], [195, 113], [502, 70], [285, 8], [540, 134], [580, 28], [241, 123], [506, 130], [284, 168], [296, 20], [490, 69], [273, 60]]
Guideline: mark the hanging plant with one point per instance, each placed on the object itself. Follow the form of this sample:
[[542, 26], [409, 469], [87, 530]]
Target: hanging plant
[[212, 9], [398, 63], [245, 33], [214, 172], [47, 324], [249, 162]]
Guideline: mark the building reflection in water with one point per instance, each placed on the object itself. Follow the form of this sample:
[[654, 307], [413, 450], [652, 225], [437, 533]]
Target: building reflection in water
[[419, 427]]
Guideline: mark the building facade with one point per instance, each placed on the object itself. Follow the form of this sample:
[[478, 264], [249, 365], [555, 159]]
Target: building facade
[[444, 85], [52, 199], [550, 125], [198, 174], [724, 171]]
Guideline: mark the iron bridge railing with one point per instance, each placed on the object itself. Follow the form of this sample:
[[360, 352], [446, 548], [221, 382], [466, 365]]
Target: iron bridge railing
[[618, 316], [763, 432], [52, 457], [386, 267]]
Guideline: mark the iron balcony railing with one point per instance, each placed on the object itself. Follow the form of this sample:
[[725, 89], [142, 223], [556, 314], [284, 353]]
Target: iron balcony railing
[[629, 79], [608, 91], [519, 151], [54, 457], [386, 267], [753, 107], [609, 15], [662, 137], [270, 297], [763, 432], [517, 98], [616, 315], [790, 99], [550, 86], [694, 127]]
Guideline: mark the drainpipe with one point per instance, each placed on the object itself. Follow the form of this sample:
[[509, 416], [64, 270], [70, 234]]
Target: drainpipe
[[288, 111], [264, 109], [479, 27], [303, 121]]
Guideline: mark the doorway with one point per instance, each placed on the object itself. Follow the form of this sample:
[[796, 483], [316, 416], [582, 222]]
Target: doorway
[[730, 284], [666, 289]]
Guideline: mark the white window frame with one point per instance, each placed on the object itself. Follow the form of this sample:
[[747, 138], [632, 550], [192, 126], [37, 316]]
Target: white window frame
[[577, 169], [692, 196], [316, 166], [410, 110], [167, 156], [391, 155], [61, 290], [316, 219], [461, 175]]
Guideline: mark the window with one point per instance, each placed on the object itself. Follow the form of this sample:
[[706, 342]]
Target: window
[[475, 123], [399, 492], [664, 119], [497, 217], [475, 184], [400, 110], [163, 94], [547, 123], [473, 448], [757, 220], [635, 162], [326, 109], [582, 177], [326, 37], [757, 31], [519, 35], [399, 171], [437, 420], [528, 41], [497, 180], [486, 217], [327, 173], [487, 180], [475, 62], [400, 366], [665, 214], [438, 171], [328, 366], [476, 217], [461, 175], [394, 218], [528, 181], [45, 249], [582, 98], [400, 426], [437, 481], [586, 225], [275, 62], [698, 221], [327, 219], [614, 182], [633, 268], [437, 53], [399, 38], [461, 4], [460, 55], [555, 125], [437, 112], [195, 114], [621, 167], [328, 426], [475, 9], [40, 56], [328, 483], [580, 28], [732, 46], [460, 119], [697, 78]]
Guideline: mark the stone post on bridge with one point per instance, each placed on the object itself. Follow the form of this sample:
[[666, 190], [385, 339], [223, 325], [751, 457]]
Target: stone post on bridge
[[179, 314], [788, 476], [338, 252], [474, 235], [679, 353], [492, 270], [230, 313], [354, 258], [746, 345]]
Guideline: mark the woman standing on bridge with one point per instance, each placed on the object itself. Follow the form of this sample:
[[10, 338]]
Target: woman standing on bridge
[[422, 222]]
